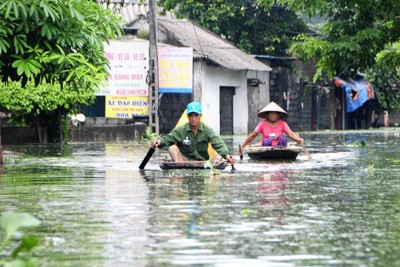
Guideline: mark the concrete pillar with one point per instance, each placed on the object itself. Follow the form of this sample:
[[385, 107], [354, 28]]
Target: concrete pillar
[[386, 118]]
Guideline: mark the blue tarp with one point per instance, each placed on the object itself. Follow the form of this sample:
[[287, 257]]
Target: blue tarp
[[357, 92]]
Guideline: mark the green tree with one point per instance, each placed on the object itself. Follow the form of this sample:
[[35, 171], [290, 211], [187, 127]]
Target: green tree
[[254, 28], [52, 56], [386, 84], [358, 35]]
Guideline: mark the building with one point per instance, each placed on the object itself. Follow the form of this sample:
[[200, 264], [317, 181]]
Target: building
[[231, 85]]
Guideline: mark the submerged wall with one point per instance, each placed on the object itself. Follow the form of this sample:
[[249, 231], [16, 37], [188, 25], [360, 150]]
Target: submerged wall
[[23, 135], [107, 133], [29, 135]]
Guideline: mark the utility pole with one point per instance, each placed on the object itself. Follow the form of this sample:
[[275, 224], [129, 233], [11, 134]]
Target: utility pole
[[1, 147], [153, 71]]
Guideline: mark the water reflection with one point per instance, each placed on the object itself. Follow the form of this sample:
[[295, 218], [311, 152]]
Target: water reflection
[[98, 209], [271, 189]]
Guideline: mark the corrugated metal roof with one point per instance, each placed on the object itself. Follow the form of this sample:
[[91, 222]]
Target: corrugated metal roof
[[130, 10], [208, 45]]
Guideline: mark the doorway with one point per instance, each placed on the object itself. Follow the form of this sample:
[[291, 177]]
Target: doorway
[[226, 109]]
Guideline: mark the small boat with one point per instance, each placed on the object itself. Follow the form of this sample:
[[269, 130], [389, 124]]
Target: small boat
[[273, 152], [169, 164]]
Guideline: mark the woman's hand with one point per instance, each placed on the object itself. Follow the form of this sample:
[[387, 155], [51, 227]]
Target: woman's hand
[[300, 141], [296, 137]]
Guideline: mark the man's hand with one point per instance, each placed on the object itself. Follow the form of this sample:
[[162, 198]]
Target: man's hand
[[230, 159], [155, 144]]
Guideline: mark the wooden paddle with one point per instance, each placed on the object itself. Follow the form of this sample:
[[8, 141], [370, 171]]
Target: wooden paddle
[[147, 158], [240, 149], [233, 167], [305, 150], [307, 153]]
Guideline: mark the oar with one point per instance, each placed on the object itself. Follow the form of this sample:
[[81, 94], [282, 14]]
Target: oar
[[147, 158], [240, 149], [305, 150], [307, 153], [233, 167]]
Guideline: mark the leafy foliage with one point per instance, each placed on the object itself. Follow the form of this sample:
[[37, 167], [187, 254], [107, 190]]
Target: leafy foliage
[[390, 58], [12, 224], [208, 165], [39, 99], [149, 135], [356, 36], [357, 143], [52, 52], [254, 28], [386, 85]]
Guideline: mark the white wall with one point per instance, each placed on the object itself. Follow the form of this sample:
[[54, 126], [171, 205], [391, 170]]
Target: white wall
[[207, 82], [257, 96], [264, 95]]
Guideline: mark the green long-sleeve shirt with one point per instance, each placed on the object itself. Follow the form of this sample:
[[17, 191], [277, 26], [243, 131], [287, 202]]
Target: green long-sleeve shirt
[[194, 147]]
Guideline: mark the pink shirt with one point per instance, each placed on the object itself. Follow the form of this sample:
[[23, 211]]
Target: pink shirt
[[273, 132]]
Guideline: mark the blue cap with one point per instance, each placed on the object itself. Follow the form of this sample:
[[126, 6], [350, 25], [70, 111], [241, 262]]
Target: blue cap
[[194, 107]]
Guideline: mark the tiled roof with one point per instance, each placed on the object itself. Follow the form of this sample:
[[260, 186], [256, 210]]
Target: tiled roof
[[208, 45], [205, 44], [130, 10]]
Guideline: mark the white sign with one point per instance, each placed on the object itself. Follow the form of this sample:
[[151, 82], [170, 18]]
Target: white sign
[[129, 64]]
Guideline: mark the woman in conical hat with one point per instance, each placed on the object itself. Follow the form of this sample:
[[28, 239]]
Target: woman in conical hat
[[272, 128], [272, 107]]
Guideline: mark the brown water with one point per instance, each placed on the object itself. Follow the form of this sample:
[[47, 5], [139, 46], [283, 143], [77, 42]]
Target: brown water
[[97, 209]]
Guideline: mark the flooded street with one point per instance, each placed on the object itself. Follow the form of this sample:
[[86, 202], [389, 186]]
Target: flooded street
[[342, 208]]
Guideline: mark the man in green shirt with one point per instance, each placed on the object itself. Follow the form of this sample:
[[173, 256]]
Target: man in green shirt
[[190, 141]]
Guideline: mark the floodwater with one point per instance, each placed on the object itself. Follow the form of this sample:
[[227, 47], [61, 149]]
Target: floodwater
[[342, 208]]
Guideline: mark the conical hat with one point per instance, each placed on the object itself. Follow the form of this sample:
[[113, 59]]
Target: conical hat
[[272, 106]]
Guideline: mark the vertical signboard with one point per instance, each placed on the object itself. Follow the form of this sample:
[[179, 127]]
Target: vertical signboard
[[175, 69], [127, 91]]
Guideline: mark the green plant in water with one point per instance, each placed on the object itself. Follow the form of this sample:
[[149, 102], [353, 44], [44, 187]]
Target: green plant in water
[[393, 160], [357, 143], [149, 135], [209, 165], [371, 167], [248, 211], [11, 224]]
